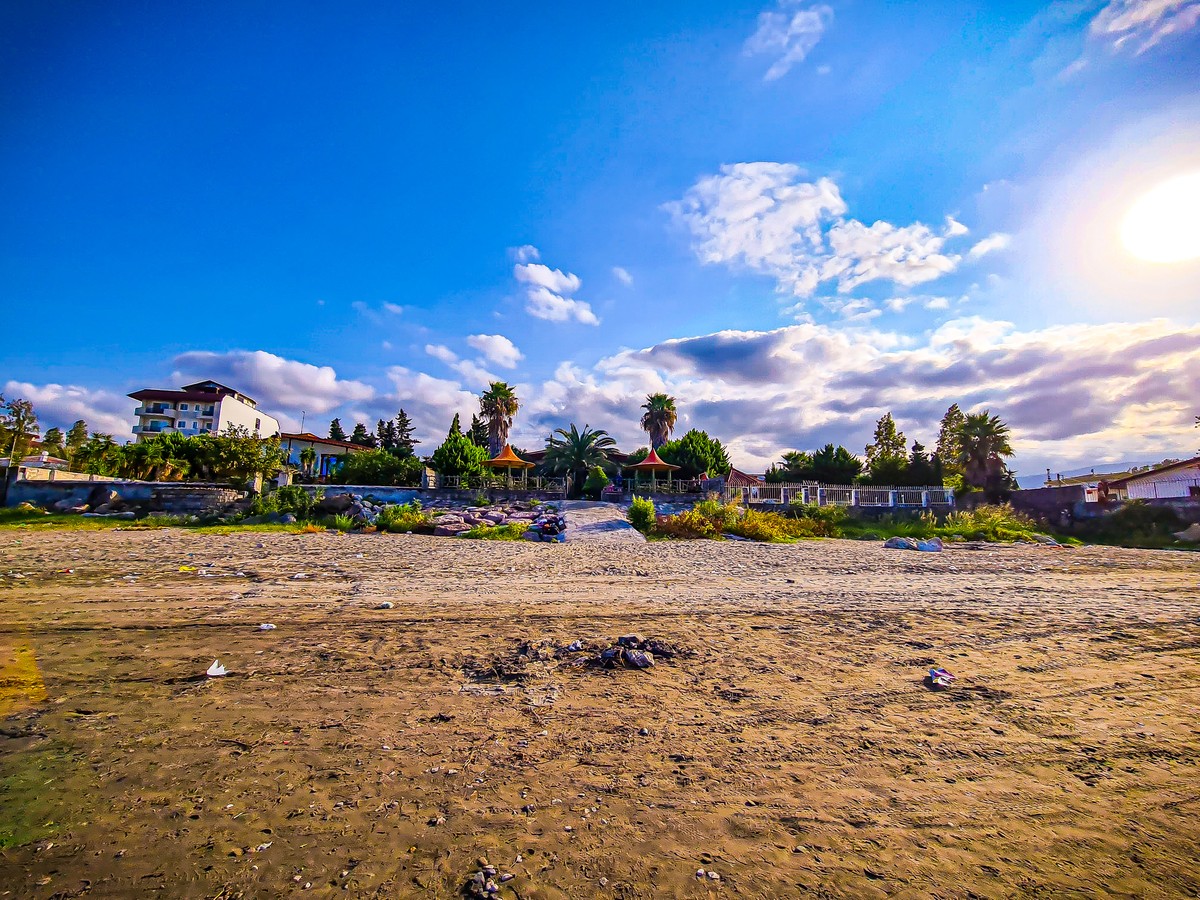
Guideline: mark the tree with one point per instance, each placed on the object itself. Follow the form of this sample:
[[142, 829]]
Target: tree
[[574, 453], [478, 432], [361, 436], [18, 428], [98, 455], [458, 455], [947, 450], [404, 435], [922, 470], [308, 459], [887, 459], [385, 435], [498, 404], [659, 417], [336, 432], [796, 466], [77, 436], [983, 445], [696, 454], [53, 442], [835, 465]]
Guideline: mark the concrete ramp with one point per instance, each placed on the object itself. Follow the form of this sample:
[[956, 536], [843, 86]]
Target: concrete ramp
[[598, 523]]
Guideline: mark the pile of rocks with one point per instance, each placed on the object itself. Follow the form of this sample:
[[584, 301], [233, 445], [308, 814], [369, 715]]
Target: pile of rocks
[[102, 501], [632, 651], [550, 526], [485, 883], [460, 521]]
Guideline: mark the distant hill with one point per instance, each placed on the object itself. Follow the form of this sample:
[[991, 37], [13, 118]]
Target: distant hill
[[1036, 481]]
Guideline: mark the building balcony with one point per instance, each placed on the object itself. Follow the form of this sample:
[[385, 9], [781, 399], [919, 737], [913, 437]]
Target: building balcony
[[153, 428], [152, 410]]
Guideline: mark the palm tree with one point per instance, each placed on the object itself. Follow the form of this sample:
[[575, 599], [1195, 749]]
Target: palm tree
[[982, 445], [659, 418], [498, 404], [308, 457], [576, 452]]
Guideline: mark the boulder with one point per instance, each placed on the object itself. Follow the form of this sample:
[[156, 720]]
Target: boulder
[[531, 536], [287, 519], [451, 529], [448, 519], [334, 505], [1191, 534], [102, 494], [105, 508]]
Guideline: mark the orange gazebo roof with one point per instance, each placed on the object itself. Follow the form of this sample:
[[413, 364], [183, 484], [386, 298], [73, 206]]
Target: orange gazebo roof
[[653, 463], [506, 459]]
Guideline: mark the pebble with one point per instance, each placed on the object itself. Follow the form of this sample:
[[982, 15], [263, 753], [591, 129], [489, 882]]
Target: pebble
[[386, 604]]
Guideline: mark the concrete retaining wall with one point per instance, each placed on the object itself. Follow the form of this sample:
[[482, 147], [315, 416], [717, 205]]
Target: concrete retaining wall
[[159, 496]]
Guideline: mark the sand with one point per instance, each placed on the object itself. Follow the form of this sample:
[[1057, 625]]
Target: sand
[[350, 752]]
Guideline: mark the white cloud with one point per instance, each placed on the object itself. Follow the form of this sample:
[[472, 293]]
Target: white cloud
[[1078, 393], [432, 403], [525, 253], [60, 405], [991, 243], [547, 294], [766, 218], [937, 303], [788, 33], [442, 352], [1141, 24], [472, 371], [276, 383], [622, 275], [386, 345], [897, 304], [497, 348], [394, 308]]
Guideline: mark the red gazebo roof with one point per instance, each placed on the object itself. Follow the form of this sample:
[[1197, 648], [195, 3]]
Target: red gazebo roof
[[506, 459], [652, 463]]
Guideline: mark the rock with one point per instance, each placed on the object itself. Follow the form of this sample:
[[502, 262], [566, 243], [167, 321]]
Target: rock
[[448, 519], [288, 519], [102, 494], [531, 536], [103, 509], [1045, 539], [631, 640], [386, 604], [1191, 534], [334, 505], [78, 510], [451, 529]]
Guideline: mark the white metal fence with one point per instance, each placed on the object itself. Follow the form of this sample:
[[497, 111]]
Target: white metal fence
[[844, 495], [1164, 489]]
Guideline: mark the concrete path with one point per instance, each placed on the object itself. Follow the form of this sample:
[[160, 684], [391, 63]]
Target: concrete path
[[599, 523]]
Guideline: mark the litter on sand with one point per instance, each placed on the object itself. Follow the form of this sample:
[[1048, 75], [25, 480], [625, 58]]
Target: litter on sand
[[940, 678], [187, 568], [216, 669], [266, 626], [933, 545]]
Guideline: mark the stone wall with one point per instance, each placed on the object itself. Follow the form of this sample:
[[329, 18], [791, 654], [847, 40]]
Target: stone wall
[[172, 497]]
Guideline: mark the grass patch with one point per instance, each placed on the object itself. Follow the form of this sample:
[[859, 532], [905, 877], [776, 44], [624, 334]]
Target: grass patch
[[496, 532], [27, 811]]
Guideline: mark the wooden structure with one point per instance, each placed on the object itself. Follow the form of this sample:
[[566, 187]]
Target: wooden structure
[[507, 460], [652, 464]]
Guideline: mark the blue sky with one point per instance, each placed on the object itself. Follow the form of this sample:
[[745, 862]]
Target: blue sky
[[792, 216]]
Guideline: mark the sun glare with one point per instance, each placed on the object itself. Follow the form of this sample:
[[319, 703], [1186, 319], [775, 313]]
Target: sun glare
[[1163, 226]]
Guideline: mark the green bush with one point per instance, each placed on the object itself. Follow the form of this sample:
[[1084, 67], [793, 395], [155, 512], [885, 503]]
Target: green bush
[[497, 532], [377, 467], [597, 480], [641, 514], [1136, 524], [403, 518], [775, 528]]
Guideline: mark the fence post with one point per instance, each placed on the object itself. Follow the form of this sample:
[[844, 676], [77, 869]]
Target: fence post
[[892, 498], [925, 498], [854, 496]]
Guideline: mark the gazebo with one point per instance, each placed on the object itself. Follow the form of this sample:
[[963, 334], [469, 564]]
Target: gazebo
[[508, 461], [652, 464]]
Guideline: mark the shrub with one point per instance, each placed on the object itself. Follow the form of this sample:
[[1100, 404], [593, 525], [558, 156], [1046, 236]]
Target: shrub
[[689, 525], [641, 514], [341, 523], [1136, 524], [404, 517], [988, 523], [497, 532], [597, 480], [774, 528], [377, 467]]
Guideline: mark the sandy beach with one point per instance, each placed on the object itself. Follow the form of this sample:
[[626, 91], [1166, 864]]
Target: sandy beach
[[790, 749]]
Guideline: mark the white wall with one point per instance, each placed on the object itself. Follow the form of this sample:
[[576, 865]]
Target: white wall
[[233, 411], [1176, 483]]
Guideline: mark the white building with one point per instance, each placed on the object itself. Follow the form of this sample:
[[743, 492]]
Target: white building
[[328, 451], [198, 408], [1181, 479]]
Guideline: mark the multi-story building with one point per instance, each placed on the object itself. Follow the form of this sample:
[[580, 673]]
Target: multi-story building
[[198, 409]]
